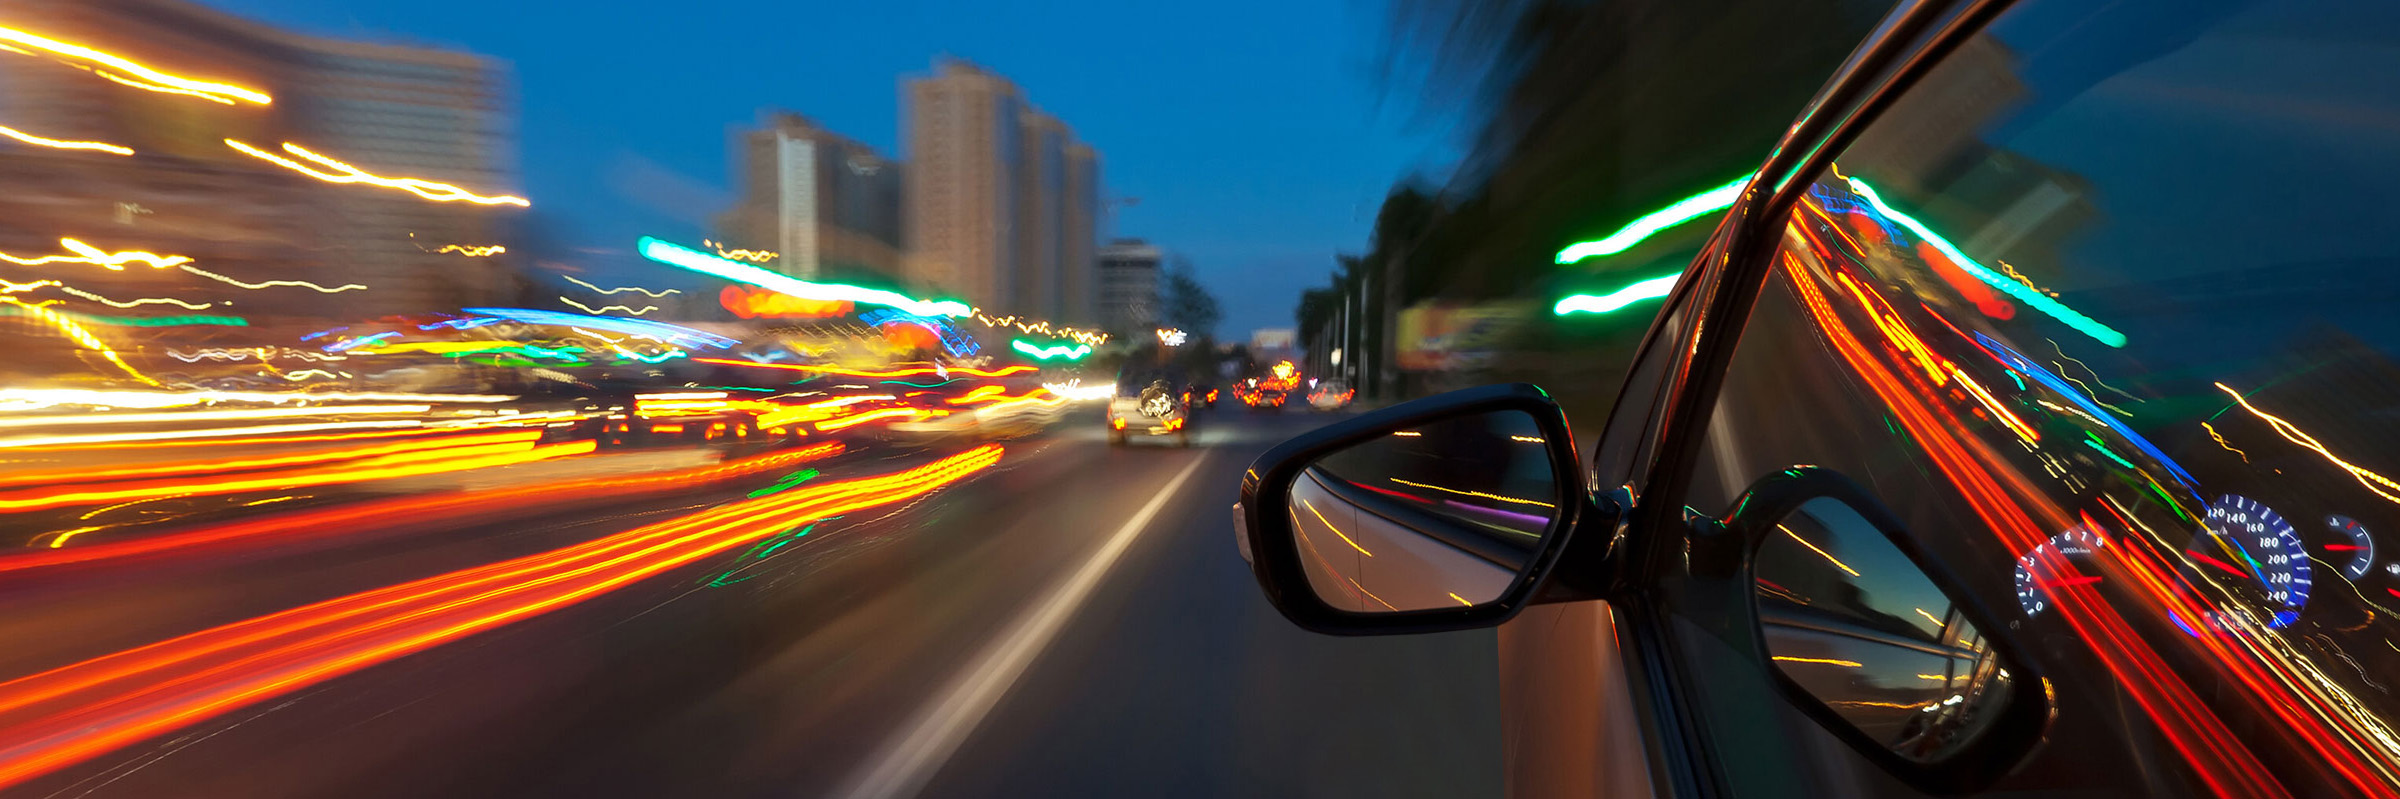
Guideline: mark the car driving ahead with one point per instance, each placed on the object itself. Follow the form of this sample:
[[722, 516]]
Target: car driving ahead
[[2023, 429], [1150, 403]]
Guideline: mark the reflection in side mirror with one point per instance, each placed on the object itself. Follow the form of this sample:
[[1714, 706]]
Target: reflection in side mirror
[[1854, 624], [1446, 514]]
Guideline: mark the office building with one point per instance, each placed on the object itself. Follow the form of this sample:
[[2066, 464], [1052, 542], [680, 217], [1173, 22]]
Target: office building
[[389, 110], [826, 205], [1001, 196], [1129, 272]]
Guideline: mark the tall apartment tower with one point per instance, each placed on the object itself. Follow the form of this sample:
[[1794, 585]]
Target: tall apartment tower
[[828, 206], [1001, 197], [390, 110]]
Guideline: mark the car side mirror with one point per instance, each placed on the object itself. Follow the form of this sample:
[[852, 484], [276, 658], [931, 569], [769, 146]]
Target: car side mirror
[[1436, 514], [1860, 631]]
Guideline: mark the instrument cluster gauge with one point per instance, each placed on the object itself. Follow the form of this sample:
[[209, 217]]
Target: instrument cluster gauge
[[2356, 552], [2064, 560], [2251, 551]]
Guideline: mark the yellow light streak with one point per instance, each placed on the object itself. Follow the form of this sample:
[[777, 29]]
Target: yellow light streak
[[88, 254], [80, 53], [1826, 661], [2007, 418], [757, 256], [215, 415], [2212, 433], [1935, 677], [205, 432], [1461, 600], [605, 308], [1528, 439], [1472, 493], [151, 87], [473, 252], [264, 284], [345, 173], [18, 399], [80, 336], [62, 144], [644, 291], [1312, 509], [133, 303], [2381, 485], [1813, 548], [1929, 617]]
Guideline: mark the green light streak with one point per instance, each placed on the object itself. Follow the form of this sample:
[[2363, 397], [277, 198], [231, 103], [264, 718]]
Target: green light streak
[[759, 551], [736, 271], [1684, 210], [1060, 351], [2023, 293], [138, 321], [789, 481], [920, 385], [1651, 289]]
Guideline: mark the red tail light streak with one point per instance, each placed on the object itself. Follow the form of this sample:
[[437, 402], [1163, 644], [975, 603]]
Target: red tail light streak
[[475, 453], [73, 713]]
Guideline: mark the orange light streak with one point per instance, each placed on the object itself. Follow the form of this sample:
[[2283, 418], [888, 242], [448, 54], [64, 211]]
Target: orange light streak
[[223, 465], [402, 464], [88, 254], [799, 367], [85, 709], [856, 419], [62, 144], [425, 509], [2381, 485], [75, 52], [345, 173]]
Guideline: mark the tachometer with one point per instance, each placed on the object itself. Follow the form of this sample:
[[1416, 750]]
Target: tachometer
[[2357, 554], [2250, 550], [2062, 561]]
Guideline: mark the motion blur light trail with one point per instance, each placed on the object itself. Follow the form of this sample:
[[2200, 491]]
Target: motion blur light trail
[[621, 289], [88, 254], [345, 173], [220, 466], [470, 453], [70, 714], [1684, 210], [1650, 289], [61, 144], [221, 92], [2023, 293], [837, 370], [738, 272], [422, 509], [1061, 351], [80, 336]]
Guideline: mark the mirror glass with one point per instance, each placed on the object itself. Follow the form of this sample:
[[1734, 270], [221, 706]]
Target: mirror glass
[[1445, 514], [1859, 628]]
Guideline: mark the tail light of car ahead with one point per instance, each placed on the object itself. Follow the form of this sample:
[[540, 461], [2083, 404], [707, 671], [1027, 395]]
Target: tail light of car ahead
[[1117, 422]]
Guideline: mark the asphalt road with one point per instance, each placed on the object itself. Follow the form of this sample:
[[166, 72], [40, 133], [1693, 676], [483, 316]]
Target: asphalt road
[[1071, 622]]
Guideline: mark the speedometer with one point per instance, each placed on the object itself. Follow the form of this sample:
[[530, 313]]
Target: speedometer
[[2251, 551]]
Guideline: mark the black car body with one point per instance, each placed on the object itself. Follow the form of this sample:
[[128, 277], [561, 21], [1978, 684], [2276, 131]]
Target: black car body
[[2016, 433]]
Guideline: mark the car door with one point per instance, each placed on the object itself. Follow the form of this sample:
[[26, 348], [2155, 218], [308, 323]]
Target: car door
[[2053, 454]]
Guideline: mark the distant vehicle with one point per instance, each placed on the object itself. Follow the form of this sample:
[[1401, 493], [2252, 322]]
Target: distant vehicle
[[1331, 395], [1268, 393], [1203, 396], [1150, 404]]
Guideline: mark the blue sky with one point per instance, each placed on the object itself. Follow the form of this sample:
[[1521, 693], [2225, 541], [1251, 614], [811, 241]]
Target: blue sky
[[1255, 134]]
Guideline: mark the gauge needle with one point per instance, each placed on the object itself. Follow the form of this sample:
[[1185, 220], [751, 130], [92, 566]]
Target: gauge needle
[[2343, 547], [2235, 548], [2236, 570], [2065, 581]]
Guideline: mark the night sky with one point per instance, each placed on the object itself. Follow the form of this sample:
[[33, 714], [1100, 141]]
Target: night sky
[[1254, 133]]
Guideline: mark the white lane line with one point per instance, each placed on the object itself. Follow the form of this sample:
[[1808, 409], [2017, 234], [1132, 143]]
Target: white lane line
[[908, 761]]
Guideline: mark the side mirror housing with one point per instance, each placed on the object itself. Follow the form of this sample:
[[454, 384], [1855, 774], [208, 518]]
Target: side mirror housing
[[1442, 513]]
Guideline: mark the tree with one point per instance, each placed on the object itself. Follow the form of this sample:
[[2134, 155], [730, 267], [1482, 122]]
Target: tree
[[1188, 305]]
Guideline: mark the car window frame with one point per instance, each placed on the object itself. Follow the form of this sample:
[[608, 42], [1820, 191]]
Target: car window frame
[[1724, 283]]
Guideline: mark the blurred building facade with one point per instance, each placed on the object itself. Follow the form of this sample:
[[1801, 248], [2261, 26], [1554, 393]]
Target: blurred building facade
[[1001, 197], [827, 205], [390, 110], [1129, 272]]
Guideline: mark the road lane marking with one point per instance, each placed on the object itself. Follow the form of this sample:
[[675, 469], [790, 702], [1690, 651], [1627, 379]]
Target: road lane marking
[[908, 761]]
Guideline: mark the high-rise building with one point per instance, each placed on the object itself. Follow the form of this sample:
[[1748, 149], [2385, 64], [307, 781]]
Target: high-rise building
[[1129, 271], [388, 110], [1001, 196], [828, 206]]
